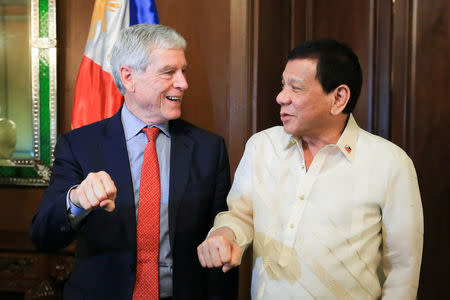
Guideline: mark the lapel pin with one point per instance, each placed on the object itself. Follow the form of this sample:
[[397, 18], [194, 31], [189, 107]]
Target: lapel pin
[[347, 147]]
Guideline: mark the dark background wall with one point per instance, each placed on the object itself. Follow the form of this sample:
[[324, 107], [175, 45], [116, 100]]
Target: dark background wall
[[236, 53]]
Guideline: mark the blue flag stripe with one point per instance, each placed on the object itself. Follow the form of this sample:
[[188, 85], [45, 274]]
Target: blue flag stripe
[[143, 12]]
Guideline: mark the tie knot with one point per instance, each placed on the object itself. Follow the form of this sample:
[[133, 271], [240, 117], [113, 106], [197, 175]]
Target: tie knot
[[151, 132]]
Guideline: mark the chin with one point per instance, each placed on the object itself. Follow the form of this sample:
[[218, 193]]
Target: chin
[[173, 115], [287, 129]]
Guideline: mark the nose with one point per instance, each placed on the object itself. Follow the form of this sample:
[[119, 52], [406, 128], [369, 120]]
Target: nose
[[180, 81], [283, 97]]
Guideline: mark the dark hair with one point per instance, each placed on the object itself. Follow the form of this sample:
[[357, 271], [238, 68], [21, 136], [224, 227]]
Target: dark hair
[[336, 64]]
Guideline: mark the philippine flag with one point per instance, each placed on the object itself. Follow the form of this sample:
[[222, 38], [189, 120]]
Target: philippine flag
[[96, 96]]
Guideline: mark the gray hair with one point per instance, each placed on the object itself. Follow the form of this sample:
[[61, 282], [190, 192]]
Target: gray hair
[[134, 45]]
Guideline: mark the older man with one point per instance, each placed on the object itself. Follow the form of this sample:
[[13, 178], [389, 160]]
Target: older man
[[323, 201], [139, 191]]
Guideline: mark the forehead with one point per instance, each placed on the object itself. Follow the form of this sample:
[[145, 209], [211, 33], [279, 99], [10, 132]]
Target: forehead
[[301, 68], [168, 56]]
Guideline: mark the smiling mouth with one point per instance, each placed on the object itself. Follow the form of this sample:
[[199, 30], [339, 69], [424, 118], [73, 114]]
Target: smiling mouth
[[173, 98]]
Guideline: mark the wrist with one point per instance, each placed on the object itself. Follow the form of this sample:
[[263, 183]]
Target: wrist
[[224, 231]]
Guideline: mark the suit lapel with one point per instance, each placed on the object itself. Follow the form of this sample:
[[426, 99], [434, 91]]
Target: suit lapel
[[180, 161], [116, 163]]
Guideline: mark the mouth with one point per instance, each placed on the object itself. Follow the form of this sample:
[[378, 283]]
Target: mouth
[[174, 98], [284, 116]]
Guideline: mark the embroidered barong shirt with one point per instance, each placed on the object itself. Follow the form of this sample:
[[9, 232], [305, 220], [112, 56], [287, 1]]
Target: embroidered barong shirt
[[321, 233]]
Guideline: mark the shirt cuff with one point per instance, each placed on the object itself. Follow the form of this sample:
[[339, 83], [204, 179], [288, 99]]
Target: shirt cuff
[[75, 213]]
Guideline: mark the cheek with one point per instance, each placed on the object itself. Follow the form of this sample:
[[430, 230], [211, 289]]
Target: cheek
[[298, 109]]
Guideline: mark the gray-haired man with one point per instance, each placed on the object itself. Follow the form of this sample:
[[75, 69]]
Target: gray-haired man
[[94, 196]]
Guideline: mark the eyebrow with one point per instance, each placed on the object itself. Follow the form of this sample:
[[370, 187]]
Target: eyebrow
[[166, 68], [291, 80], [170, 68]]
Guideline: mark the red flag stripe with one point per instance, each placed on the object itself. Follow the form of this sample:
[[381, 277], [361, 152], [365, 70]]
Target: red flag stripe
[[96, 96]]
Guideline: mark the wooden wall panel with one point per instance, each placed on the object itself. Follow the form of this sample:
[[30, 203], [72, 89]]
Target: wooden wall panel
[[421, 124], [401, 70], [351, 22], [73, 21], [240, 78], [380, 100], [271, 45]]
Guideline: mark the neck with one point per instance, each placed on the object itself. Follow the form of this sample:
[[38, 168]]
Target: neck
[[330, 135], [143, 114]]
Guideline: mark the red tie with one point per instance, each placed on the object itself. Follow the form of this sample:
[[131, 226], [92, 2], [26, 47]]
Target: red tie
[[146, 286]]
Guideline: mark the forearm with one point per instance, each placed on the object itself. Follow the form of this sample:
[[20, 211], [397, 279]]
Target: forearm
[[50, 228]]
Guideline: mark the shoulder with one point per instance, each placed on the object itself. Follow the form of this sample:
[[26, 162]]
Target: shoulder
[[275, 136], [87, 137], [97, 129], [88, 129], [381, 150]]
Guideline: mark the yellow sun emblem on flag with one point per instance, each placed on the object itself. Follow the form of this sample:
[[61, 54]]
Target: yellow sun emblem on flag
[[101, 6]]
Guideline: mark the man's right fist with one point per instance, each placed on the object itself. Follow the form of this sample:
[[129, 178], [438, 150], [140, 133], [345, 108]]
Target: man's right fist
[[96, 190], [220, 250]]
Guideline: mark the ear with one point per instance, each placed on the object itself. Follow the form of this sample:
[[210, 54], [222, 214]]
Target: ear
[[126, 76], [341, 95]]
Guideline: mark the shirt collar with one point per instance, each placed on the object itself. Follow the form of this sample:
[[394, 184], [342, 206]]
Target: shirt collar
[[291, 141], [348, 139], [346, 143], [132, 125]]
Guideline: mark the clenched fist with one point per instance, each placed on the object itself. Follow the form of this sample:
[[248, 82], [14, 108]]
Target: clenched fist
[[96, 190], [220, 250]]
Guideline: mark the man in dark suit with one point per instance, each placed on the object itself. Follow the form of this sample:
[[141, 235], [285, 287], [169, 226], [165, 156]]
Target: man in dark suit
[[94, 195]]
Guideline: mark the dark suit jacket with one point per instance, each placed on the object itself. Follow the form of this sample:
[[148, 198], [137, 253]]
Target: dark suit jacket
[[105, 258]]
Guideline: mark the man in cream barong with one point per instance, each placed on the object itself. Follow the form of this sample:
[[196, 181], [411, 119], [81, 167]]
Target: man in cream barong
[[324, 202]]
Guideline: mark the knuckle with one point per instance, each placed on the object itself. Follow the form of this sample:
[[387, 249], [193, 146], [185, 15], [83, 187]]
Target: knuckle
[[113, 191], [217, 240], [102, 195]]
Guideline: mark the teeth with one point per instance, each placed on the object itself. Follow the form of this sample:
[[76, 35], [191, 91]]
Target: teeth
[[172, 98]]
